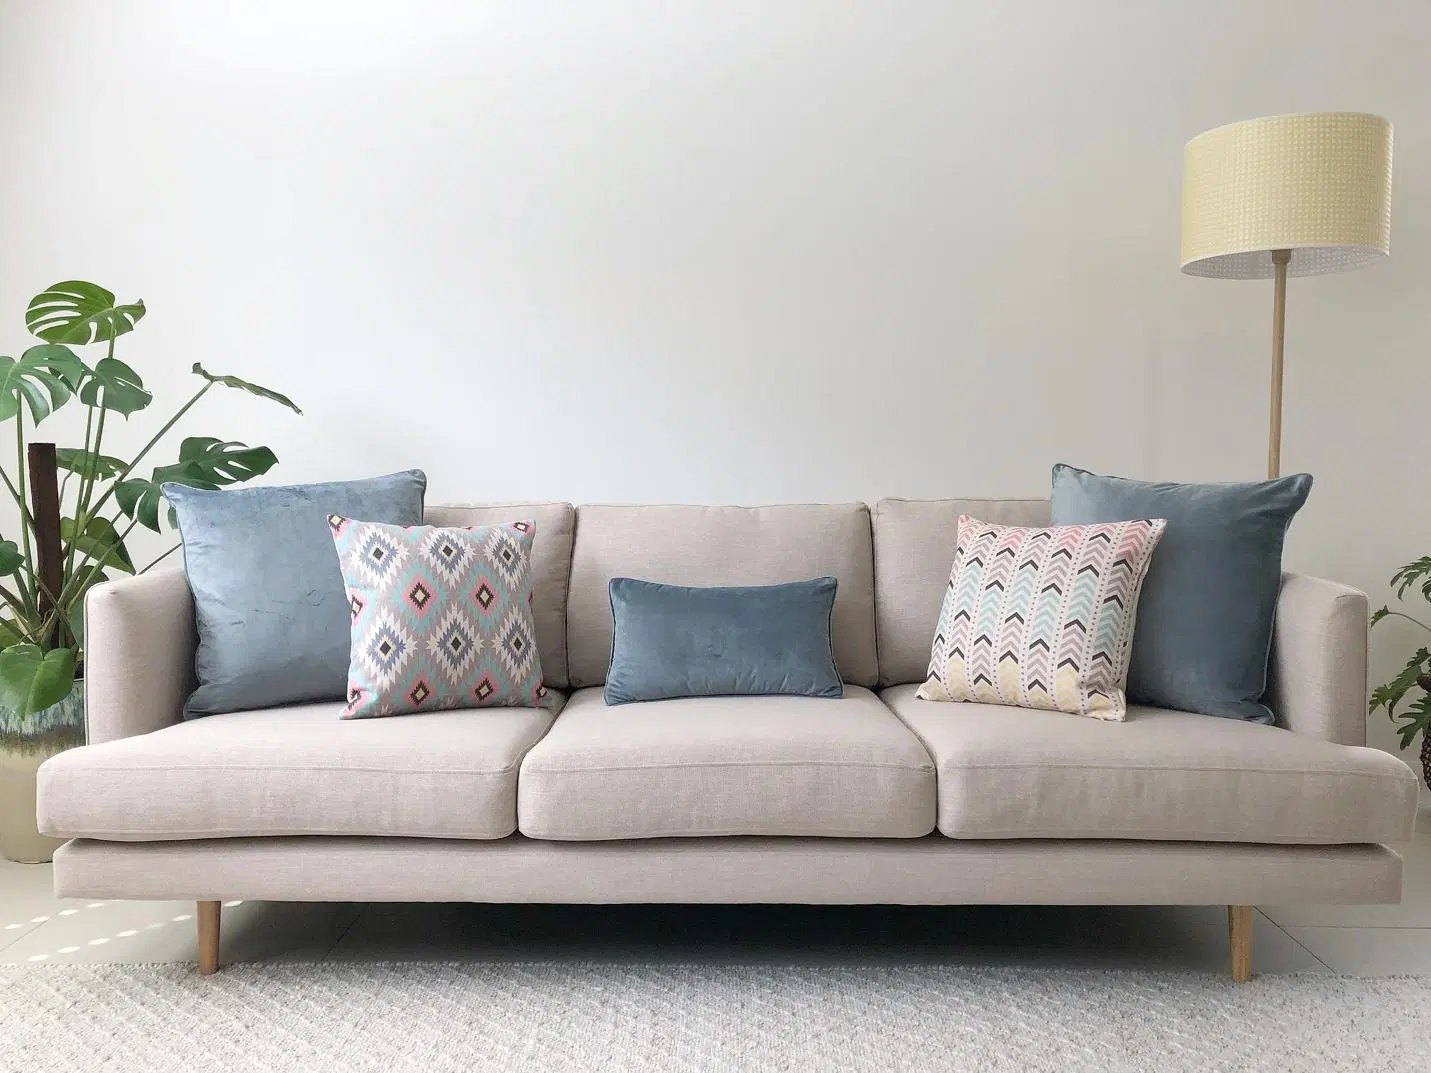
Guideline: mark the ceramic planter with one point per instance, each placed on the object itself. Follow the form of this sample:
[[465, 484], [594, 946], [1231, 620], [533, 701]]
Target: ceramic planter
[[25, 744]]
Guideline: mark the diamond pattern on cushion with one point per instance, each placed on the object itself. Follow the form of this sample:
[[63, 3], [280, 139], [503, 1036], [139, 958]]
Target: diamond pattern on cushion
[[382, 650], [448, 557], [379, 558], [504, 554], [419, 595], [456, 643], [514, 644], [442, 617]]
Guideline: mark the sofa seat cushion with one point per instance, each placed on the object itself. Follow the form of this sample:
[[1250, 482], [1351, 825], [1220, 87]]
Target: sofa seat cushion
[[1020, 773], [297, 771], [767, 765]]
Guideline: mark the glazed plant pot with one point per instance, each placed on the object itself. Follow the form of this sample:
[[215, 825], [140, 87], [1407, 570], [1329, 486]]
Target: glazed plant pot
[[25, 744]]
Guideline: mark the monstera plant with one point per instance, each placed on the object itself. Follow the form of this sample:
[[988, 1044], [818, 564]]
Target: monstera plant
[[1415, 678], [74, 532]]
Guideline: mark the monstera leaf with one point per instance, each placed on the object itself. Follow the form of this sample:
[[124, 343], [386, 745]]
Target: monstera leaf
[[75, 460], [79, 313], [139, 499], [1408, 575], [115, 386], [32, 680], [43, 379], [100, 541], [244, 385], [10, 634], [1416, 720], [11, 558], [1392, 693], [204, 462]]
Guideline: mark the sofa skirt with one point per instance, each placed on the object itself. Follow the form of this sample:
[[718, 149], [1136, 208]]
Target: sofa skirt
[[814, 871]]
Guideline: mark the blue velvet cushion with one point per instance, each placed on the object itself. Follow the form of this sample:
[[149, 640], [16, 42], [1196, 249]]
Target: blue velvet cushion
[[269, 601], [1204, 627], [676, 641]]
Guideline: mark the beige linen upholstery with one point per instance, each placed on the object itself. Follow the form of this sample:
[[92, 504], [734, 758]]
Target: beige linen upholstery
[[689, 545], [819, 871], [1316, 681], [1021, 773], [914, 543], [727, 766], [139, 654], [551, 567], [297, 770], [166, 810]]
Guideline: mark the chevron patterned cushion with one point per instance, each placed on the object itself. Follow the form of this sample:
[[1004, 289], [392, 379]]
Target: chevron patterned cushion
[[1041, 618], [442, 617]]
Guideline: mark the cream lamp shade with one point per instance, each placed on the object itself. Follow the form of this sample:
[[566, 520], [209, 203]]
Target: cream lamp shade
[[1316, 184], [1287, 195]]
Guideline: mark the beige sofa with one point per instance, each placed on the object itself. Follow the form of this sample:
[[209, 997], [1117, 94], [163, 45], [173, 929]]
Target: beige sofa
[[874, 798]]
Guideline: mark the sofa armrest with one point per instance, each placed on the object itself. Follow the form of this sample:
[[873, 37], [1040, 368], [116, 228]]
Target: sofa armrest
[[139, 654], [1316, 680]]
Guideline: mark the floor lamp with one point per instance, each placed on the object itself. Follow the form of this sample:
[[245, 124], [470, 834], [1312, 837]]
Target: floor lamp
[[1288, 195]]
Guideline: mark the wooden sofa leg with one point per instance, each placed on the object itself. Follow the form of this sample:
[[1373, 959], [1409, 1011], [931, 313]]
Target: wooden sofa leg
[[208, 916], [1239, 937]]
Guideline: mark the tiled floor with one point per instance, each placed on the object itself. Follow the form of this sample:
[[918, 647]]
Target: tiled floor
[[35, 927]]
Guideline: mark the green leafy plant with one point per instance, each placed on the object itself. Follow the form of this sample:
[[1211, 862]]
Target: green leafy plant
[[102, 498], [1415, 677]]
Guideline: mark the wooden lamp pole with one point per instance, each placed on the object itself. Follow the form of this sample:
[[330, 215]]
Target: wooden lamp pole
[[1280, 259], [1319, 183]]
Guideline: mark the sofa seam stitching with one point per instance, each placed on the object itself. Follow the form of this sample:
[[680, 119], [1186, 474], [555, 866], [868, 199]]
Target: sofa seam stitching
[[922, 768], [1299, 772]]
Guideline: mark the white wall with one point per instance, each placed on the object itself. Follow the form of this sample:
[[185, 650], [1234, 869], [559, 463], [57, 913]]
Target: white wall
[[727, 252]]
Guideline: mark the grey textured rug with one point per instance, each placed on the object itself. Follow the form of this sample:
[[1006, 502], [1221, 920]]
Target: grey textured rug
[[562, 1017]]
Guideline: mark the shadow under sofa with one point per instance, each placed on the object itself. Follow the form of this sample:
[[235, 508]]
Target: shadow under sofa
[[875, 798]]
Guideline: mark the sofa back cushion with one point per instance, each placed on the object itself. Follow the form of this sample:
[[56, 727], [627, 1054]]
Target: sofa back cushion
[[551, 568], [693, 545], [914, 542]]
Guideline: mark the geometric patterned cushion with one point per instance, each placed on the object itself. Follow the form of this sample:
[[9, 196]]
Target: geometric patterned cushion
[[1042, 618], [442, 617]]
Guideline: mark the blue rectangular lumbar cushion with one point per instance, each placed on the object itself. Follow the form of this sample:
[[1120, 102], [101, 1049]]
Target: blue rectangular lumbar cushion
[[676, 641], [269, 601], [1204, 626]]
